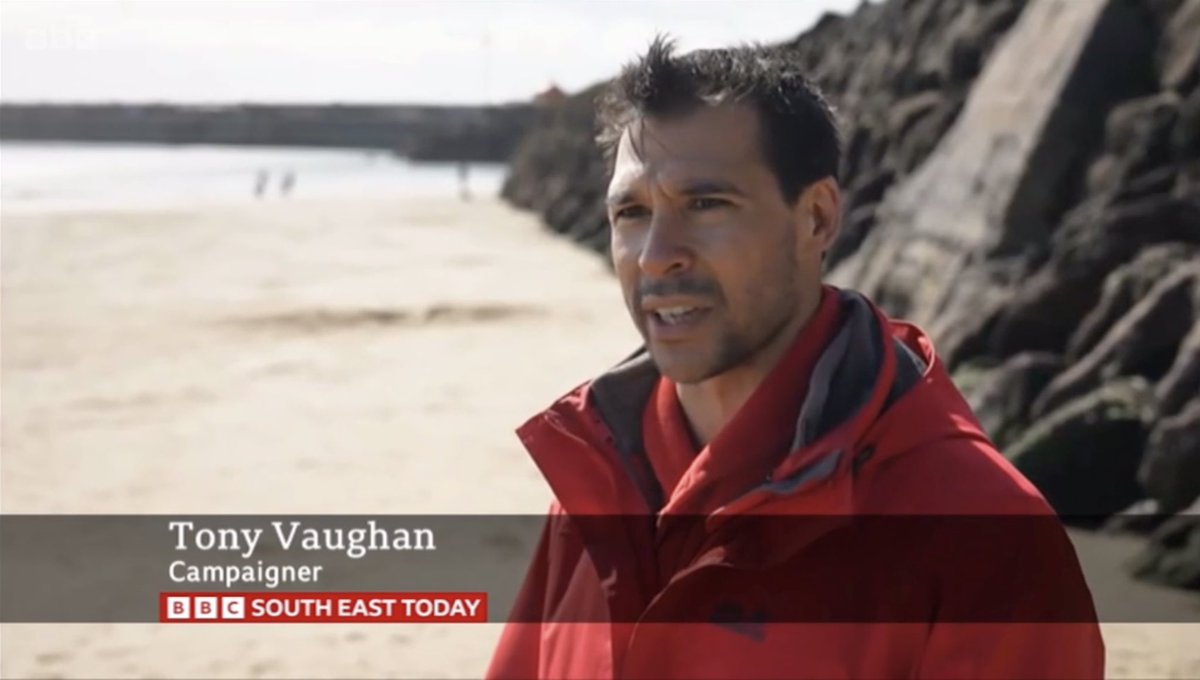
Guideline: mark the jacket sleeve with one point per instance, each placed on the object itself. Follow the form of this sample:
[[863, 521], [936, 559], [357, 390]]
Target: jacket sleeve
[[1013, 603], [519, 648], [1014, 651]]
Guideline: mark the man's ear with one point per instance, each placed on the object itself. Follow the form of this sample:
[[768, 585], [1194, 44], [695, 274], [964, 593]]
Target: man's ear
[[823, 202]]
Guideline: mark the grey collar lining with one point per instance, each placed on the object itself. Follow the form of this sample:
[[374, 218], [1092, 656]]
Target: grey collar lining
[[841, 383]]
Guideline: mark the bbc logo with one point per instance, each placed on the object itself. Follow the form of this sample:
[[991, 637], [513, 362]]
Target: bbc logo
[[206, 608]]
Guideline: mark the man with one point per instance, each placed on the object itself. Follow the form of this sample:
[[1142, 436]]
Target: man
[[782, 482]]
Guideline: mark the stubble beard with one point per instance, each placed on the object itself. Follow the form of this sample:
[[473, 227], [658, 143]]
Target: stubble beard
[[734, 347]]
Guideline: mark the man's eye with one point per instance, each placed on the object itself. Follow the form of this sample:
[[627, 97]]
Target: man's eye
[[707, 203], [632, 212]]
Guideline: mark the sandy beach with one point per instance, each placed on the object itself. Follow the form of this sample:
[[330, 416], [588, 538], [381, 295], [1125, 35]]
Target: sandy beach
[[307, 356]]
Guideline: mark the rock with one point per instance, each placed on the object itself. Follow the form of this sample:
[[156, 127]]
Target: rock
[[860, 202], [1172, 557], [967, 337], [1182, 381], [972, 36], [856, 226], [1142, 517], [560, 173], [1084, 456], [997, 177], [1159, 181], [906, 113], [1179, 54], [971, 377], [1138, 137], [1143, 342], [917, 124], [862, 153], [1044, 311], [1185, 138], [869, 188], [592, 230], [1122, 288], [1100, 236], [1163, 10], [1096, 238], [1001, 399], [913, 148], [1142, 125], [1170, 469]]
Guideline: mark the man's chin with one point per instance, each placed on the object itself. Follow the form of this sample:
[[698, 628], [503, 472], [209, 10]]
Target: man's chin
[[679, 368]]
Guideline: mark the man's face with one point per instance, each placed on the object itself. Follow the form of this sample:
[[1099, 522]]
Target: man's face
[[713, 262]]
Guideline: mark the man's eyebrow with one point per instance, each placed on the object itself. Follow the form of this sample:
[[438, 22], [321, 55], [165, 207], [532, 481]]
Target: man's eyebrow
[[621, 198], [698, 187], [702, 187]]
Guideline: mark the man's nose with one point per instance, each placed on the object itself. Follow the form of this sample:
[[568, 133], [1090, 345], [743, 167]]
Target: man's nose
[[665, 251]]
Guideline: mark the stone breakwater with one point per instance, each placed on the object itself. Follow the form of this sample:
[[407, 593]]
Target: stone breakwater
[[1022, 179], [419, 132]]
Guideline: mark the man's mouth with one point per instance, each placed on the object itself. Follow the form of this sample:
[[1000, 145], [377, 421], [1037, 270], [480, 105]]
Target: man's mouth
[[676, 322], [677, 315]]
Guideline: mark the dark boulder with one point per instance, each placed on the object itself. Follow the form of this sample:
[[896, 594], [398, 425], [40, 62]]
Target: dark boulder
[[860, 203], [1001, 398], [972, 36], [1179, 53], [1170, 469], [1172, 557], [1100, 236], [1137, 138], [1094, 239], [1123, 288], [1182, 381], [856, 227], [917, 123], [1084, 456], [869, 188], [1142, 517], [1185, 138], [1143, 342], [1043, 311]]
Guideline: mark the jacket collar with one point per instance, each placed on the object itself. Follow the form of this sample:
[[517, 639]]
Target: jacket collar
[[860, 373]]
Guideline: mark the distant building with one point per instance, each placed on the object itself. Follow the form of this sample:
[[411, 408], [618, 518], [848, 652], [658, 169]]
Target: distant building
[[551, 96]]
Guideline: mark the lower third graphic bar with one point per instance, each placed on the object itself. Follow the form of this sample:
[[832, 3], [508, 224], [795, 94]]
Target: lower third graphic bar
[[322, 607]]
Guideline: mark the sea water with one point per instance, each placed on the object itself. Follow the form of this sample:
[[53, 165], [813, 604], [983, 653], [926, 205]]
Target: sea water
[[42, 177]]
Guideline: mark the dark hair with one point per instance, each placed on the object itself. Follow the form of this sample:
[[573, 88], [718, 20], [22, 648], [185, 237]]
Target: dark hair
[[800, 141]]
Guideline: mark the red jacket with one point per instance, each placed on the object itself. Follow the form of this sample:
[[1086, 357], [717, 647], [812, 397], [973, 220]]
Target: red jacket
[[894, 541]]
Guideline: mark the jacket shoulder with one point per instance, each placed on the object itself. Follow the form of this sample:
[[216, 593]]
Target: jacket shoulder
[[963, 475], [933, 455]]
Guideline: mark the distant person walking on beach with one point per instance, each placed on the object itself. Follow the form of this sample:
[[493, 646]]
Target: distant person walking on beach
[[464, 188], [782, 481], [260, 182], [289, 181]]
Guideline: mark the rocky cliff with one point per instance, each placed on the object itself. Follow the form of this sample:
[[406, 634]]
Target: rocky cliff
[[1022, 178]]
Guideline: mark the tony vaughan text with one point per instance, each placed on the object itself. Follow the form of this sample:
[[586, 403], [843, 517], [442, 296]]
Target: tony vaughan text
[[355, 542]]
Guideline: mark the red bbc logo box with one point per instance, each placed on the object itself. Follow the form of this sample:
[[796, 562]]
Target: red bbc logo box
[[203, 607], [322, 607]]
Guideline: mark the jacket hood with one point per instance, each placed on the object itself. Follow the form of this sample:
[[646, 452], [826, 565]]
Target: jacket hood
[[877, 391]]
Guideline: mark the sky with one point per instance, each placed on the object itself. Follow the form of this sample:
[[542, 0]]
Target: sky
[[361, 51]]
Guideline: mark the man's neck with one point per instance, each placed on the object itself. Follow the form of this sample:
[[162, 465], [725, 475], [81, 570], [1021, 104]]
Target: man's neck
[[709, 405]]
